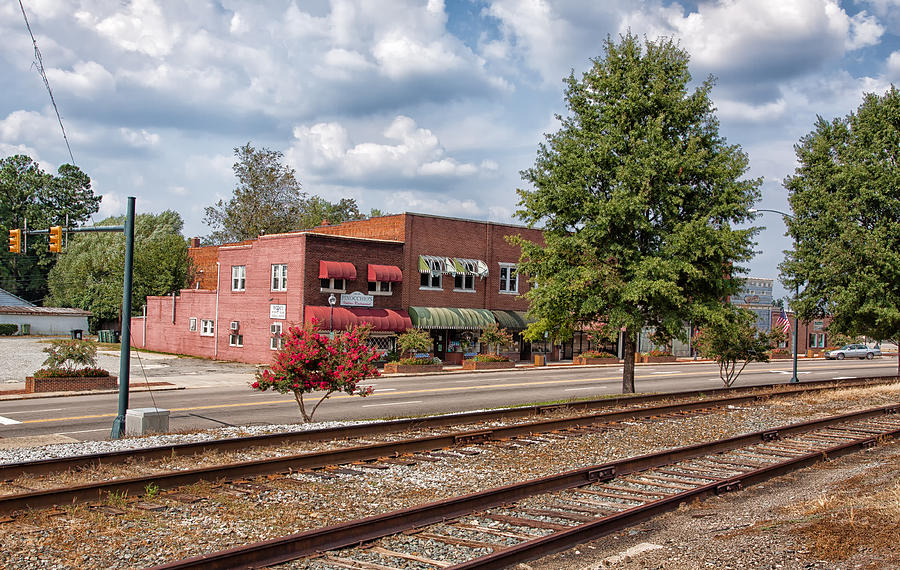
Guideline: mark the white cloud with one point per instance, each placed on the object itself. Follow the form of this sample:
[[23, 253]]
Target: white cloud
[[86, 79], [112, 204], [401, 56], [140, 138], [864, 31], [747, 112], [893, 66], [326, 148], [140, 27]]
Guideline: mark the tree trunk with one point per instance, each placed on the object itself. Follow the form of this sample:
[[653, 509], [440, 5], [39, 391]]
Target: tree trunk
[[628, 368]]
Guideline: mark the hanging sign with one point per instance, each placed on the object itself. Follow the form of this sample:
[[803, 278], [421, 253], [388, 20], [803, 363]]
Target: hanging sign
[[357, 299]]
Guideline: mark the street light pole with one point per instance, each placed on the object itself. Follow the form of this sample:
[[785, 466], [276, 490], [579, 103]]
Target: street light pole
[[331, 301], [794, 378]]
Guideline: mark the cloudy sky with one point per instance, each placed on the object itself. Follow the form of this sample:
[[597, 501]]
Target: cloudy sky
[[423, 106]]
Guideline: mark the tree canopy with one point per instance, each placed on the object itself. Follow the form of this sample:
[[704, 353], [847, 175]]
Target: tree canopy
[[636, 193], [89, 274], [731, 337], [268, 199], [845, 195], [29, 193]]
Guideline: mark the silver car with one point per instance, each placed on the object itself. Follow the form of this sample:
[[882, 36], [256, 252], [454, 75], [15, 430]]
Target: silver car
[[853, 351]]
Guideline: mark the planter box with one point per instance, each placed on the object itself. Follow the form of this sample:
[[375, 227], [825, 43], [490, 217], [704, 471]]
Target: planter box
[[781, 356], [396, 368], [585, 360], [656, 359], [65, 384], [475, 365], [453, 358]]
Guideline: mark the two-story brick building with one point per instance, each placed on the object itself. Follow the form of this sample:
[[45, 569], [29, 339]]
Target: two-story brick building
[[449, 276]]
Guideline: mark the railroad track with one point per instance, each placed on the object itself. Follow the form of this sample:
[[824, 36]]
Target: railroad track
[[378, 455], [515, 523]]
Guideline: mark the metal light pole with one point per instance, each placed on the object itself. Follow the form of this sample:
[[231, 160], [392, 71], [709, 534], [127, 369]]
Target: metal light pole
[[794, 378], [118, 427], [331, 301]]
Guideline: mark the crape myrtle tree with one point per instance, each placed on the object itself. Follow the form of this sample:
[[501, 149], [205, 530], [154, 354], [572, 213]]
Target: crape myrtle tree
[[845, 195], [637, 195], [731, 339], [311, 362]]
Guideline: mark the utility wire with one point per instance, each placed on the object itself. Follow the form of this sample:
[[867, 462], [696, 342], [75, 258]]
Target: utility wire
[[39, 64]]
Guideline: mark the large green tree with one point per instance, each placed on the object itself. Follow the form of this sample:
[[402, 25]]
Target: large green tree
[[29, 193], [89, 274], [845, 194], [637, 194], [267, 199]]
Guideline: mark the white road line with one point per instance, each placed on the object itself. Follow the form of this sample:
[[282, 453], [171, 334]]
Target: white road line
[[585, 388], [392, 404], [385, 389], [843, 377], [8, 421], [35, 411], [82, 431]]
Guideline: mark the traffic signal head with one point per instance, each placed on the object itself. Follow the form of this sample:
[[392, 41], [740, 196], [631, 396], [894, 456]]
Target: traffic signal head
[[15, 241], [56, 239]]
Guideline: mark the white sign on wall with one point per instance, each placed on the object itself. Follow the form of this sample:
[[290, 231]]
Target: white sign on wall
[[278, 311], [357, 299]]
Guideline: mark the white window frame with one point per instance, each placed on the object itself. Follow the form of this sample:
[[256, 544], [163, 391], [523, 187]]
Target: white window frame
[[509, 285], [276, 340], [381, 288], [192, 324], [236, 339], [238, 277], [436, 273], [465, 282], [279, 277], [332, 286], [207, 327]]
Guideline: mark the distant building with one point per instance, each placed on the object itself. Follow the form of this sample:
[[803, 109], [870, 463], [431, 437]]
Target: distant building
[[32, 319], [756, 296]]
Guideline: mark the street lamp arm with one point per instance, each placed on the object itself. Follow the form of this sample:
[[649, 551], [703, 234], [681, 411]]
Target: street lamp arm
[[785, 214]]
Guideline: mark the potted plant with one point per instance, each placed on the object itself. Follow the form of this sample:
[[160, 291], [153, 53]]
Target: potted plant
[[779, 353], [493, 337], [596, 357], [416, 344], [655, 356], [70, 365]]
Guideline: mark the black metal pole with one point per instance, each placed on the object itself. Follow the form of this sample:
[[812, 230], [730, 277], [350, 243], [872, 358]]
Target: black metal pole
[[118, 427], [794, 378]]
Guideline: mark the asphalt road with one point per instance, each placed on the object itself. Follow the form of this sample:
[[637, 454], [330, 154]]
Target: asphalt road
[[208, 404]]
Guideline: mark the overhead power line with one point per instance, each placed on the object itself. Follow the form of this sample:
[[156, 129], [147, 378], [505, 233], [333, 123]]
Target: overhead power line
[[39, 64]]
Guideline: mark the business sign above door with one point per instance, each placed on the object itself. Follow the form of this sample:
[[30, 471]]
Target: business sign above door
[[357, 299]]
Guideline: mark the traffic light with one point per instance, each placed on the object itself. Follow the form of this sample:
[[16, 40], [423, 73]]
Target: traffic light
[[56, 239], [15, 241]]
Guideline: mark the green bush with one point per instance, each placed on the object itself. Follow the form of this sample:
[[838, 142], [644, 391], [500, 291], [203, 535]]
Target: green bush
[[8, 329], [414, 340], [489, 358], [66, 355], [62, 373], [420, 361], [596, 354]]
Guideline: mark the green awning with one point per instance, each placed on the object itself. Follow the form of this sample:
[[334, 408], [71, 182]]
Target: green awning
[[512, 320], [450, 318]]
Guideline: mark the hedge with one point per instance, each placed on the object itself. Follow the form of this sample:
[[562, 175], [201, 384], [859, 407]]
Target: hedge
[[8, 329]]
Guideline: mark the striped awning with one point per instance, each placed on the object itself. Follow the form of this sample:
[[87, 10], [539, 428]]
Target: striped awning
[[450, 318], [463, 266], [385, 273], [512, 320], [434, 264], [345, 317], [336, 270]]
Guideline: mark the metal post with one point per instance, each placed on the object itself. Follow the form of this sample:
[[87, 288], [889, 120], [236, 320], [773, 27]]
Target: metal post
[[794, 378], [331, 301], [118, 427]]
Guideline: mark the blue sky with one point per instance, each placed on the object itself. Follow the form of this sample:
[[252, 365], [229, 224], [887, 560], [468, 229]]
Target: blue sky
[[424, 106]]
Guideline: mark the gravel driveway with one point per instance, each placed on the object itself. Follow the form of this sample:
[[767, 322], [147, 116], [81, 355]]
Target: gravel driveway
[[21, 356]]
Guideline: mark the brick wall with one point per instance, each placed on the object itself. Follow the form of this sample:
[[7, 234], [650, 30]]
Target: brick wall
[[384, 227], [164, 335], [33, 385]]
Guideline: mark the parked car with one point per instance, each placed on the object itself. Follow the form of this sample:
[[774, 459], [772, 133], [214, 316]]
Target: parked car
[[853, 351]]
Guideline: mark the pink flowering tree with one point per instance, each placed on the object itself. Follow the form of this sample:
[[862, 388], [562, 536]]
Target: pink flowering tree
[[312, 362]]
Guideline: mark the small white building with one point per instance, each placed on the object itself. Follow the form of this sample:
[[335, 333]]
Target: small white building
[[32, 319]]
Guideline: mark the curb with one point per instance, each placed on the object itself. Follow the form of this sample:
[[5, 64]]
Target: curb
[[86, 392]]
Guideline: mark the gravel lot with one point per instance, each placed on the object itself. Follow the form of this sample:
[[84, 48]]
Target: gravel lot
[[119, 535]]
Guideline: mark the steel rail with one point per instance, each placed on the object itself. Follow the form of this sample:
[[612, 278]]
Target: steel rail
[[312, 542], [10, 471]]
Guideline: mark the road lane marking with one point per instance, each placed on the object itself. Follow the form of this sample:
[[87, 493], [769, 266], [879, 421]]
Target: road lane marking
[[385, 390], [34, 411], [585, 388], [843, 377], [8, 421], [392, 404]]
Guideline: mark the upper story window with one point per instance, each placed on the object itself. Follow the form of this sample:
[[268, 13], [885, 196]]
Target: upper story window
[[207, 327], [279, 277], [431, 273], [380, 288], [509, 278], [333, 285], [465, 281], [382, 278], [238, 277]]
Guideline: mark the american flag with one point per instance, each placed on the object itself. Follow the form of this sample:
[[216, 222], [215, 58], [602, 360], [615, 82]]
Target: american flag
[[783, 322]]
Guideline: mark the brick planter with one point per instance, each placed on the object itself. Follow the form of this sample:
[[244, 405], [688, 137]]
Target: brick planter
[[781, 356], [584, 360], [397, 368], [66, 384], [657, 359], [475, 365]]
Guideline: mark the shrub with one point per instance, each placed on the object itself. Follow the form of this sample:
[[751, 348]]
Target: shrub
[[420, 361], [495, 337], [66, 355], [489, 358], [597, 354], [8, 329], [310, 361], [63, 373], [655, 352], [779, 351], [414, 340]]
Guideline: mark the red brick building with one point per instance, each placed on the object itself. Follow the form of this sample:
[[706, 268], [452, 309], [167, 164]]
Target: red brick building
[[450, 276]]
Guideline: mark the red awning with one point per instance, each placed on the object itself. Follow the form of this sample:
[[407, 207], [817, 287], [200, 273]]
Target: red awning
[[385, 273], [344, 317], [336, 270]]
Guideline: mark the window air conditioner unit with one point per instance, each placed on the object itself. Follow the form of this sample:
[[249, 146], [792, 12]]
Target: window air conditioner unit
[[235, 325]]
